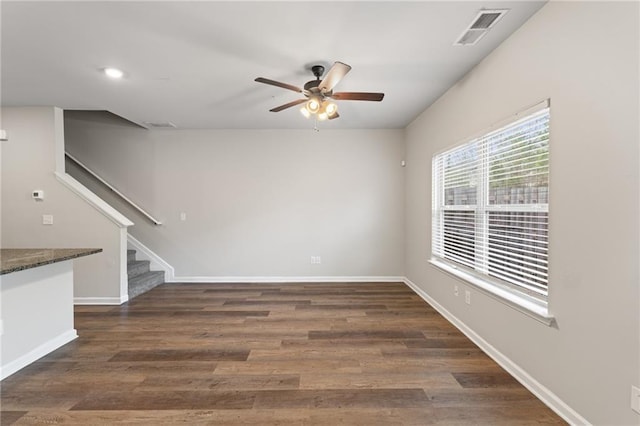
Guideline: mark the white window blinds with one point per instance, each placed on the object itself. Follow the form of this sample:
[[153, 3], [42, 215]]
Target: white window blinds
[[490, 204]]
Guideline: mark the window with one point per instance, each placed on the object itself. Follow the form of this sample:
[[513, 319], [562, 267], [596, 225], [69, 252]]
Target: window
[[491, 206]]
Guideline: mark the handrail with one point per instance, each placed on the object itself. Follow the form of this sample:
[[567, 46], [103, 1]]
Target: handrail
[[118, 193]]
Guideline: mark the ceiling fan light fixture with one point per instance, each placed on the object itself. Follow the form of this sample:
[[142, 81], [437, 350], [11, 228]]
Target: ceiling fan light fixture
[[313, 106], [331, 108]]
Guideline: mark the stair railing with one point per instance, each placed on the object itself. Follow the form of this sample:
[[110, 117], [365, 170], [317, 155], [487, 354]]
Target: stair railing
[[113, 189]]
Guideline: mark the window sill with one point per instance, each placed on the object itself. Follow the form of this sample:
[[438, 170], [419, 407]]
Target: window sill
[[528, 306]]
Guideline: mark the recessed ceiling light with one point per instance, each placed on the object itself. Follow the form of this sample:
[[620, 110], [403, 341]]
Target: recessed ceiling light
[[113, 72]]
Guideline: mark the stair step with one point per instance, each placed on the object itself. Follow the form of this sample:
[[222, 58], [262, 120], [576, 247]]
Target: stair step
[[144, 282], [137, 267], [131, 255]]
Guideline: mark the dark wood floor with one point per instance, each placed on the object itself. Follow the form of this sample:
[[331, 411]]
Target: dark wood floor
[[294, 354]]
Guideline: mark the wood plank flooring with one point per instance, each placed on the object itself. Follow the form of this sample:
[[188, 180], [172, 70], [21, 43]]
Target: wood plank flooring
[[268, 354]]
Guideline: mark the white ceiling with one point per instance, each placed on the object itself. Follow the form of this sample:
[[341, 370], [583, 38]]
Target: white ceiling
[[193, 63]]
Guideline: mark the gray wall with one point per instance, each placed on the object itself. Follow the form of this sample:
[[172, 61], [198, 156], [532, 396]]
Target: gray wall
[[258, 204], [29, 163], [591, 359]]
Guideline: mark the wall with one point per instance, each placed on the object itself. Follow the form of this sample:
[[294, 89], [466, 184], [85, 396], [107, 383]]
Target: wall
[[258, 204], [28, 163], [592, 357]]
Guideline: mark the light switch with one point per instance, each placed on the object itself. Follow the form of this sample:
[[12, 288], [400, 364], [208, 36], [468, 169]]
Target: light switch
[[183, 216], [47, 219]]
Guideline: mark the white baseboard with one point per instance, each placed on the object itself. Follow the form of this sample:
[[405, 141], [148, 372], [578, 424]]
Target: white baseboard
[[101, 300], [537, 388], [37, 353], [157, 263], [306, 279]]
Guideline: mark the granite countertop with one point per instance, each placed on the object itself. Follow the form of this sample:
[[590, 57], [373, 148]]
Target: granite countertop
[[12, 260]]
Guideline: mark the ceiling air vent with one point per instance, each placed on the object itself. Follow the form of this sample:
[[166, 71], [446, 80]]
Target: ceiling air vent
[[163, 125], [480, 26]]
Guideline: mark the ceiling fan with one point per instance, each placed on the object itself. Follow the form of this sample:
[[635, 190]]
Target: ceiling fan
[[319, 93]]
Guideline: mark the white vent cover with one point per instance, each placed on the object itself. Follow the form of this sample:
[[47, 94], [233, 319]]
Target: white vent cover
[[164, 125], [480, 26]]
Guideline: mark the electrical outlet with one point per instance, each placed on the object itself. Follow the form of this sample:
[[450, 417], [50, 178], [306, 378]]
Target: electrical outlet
[[47, 219], [635, 399], [316, 260], [467, 297], [456, 291], [183, 216]]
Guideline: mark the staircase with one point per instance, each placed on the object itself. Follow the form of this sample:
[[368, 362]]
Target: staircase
[[141, 279]]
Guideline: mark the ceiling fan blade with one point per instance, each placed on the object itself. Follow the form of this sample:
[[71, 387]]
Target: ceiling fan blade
[[277, 83], [333, 76], [289, 105], [358, 96]]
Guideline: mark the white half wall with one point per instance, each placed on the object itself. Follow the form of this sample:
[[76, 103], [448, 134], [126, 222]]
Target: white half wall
[[584, 57], [257, 203], [37, 314], [28, 164]]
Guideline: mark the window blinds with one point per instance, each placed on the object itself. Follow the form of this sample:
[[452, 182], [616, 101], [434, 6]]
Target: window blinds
[[490, 203]]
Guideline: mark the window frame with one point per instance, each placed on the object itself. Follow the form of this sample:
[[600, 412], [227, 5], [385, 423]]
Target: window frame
[[531, 302]]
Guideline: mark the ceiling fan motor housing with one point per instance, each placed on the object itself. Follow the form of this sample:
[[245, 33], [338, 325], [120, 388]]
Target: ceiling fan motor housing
[[311, 86]]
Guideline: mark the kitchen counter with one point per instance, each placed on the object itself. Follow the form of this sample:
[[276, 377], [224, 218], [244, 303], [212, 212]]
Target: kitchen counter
[[12, 260]]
